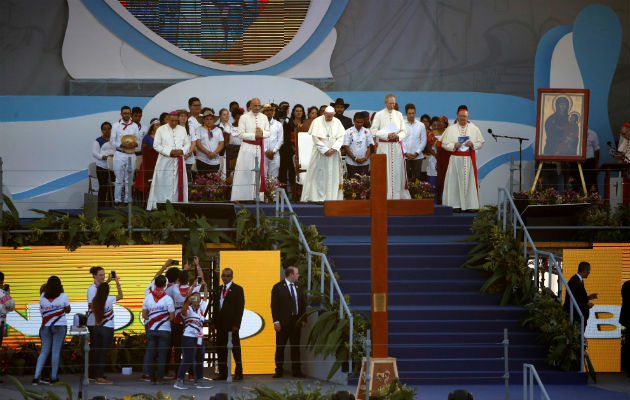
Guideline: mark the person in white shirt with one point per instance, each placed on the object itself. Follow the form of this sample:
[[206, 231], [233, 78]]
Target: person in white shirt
[[232, 142], [358, 143], [185, 284], [414, 143], [158, 310], [136, 116], [193, 317], [591, 164], [7, 304], [53, 306], [194, 122], [253, 128], [101, 149], [388, 128], [273, 142], [125, 150], [98, 276], [103, 312], [209, 143], [324, 177], [170, 181]]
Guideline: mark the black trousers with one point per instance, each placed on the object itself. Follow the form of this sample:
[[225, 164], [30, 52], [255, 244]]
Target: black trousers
[[176, 347], [105, 188], [286, 171], [203, 168], [92, 362], [222, 353], [357, 169], [289, 333], [414, 169]]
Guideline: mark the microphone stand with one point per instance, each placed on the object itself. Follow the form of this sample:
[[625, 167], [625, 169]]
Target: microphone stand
[[520, 154]]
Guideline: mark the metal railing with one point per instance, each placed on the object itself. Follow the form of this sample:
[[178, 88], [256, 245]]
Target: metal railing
[[504, 214], [529, 374], [282, 202]]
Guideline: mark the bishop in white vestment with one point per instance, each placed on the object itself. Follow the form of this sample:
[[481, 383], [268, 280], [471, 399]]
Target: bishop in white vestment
[[170, 181], [253, 128], [388, 130], [463, 139], [324, 177]]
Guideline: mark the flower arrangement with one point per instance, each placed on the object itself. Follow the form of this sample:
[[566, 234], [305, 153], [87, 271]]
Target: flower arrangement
[[552, 196], [214, 187], [210, 187], [357, 188], [421, 190]]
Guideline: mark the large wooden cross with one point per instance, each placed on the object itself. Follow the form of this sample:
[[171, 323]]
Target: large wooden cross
[[378, 207]]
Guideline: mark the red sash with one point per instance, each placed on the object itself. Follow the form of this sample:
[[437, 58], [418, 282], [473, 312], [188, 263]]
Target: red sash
[[180, 179], [470, 153], [121, 122], [403, 157], [261, 143]]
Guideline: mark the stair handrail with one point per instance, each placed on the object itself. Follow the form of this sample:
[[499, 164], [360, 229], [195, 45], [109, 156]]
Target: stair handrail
[[282, 201], [529, 371], [505, 198]]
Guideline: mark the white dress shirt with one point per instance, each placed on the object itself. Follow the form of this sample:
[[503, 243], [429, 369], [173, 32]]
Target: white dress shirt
[[120, 129], [416, 139], [276, 136]]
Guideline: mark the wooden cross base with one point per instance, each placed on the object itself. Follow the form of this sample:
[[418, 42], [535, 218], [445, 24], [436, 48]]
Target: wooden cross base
[[383, 371]]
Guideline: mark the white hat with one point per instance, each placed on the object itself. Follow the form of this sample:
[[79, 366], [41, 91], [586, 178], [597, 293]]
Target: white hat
[[329, 109]]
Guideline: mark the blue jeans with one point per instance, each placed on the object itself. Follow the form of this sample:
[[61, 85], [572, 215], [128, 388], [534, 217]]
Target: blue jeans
[[191, 352], [52, 339], [103, 337], [157, 342]]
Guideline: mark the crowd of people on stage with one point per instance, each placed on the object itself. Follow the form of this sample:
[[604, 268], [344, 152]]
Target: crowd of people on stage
[[177, 306], [234, 140]]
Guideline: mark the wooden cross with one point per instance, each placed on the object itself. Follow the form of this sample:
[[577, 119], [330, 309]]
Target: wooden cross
[[378, 207]]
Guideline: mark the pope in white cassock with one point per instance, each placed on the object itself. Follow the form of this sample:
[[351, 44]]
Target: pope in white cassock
[[388, 129], [463, 139], [253, 128], [169, 178], [324, 177]]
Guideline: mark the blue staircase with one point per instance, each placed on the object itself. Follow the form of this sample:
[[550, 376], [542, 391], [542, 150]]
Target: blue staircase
[[441, 329]]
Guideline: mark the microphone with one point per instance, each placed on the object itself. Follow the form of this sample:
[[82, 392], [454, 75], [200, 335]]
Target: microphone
[[492, 134]]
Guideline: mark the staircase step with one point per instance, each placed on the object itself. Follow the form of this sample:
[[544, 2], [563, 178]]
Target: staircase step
[[408, 350], [395, 229], [412, 324], [409, 261], [471, 364], [348, 273], [364, 285], [437, 299], [437, 338], [452, 312], [399, 249]]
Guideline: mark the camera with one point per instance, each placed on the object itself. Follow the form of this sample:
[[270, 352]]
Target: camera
[[113, 274]]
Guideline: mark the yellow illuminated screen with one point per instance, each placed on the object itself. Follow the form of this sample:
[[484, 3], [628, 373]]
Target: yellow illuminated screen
[[27, 268], [603, 331], [256, 272]]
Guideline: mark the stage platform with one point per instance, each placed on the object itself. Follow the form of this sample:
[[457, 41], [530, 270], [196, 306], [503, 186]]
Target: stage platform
[[611, 387]]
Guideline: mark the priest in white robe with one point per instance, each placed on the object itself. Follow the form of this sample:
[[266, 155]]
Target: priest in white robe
[[463, 139], [170, 181], [324, 177], [253, 128], [388, 130]]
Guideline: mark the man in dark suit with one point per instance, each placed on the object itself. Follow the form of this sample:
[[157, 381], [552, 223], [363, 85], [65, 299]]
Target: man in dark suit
[[576, 284], [228, 307], [288, 305]]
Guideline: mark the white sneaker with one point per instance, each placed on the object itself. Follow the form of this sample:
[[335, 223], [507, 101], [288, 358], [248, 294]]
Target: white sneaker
[[180, 385], [202, 385]]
